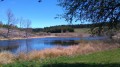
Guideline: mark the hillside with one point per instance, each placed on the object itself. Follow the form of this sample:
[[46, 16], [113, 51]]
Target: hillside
[[14, 33]]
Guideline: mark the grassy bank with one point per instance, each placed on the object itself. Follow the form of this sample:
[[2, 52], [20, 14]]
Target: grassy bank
[[108, 58], [82, 30]]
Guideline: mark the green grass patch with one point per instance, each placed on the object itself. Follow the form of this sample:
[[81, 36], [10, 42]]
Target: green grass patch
[[82, 30], [109, 58]]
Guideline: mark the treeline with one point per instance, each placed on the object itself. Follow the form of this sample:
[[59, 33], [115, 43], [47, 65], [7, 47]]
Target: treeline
[[70, 28], [6, 26], [63, 28], [58, 29], [55, 29]]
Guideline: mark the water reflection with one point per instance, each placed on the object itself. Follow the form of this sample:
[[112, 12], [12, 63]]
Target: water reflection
[[8, 45], [25, 46], [64, 42]]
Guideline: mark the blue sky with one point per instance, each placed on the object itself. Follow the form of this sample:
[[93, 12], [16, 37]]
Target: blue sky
[[41, 14]]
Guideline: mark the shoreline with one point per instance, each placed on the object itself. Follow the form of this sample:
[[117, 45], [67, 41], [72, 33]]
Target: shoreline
[[18, 38], [47, 36]]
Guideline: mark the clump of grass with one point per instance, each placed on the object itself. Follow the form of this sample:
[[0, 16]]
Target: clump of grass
[[93, 46], [85, 48], [22, 56], [48, 53], [6, 57]]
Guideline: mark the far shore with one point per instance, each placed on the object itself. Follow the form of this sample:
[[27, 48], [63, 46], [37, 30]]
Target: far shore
[[17, 38], [47, 36]]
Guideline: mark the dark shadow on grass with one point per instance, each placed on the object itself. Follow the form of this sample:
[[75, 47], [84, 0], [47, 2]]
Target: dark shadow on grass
[[81, 65]]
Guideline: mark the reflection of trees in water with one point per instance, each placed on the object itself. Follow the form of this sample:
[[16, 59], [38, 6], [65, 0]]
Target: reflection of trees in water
[[16, 46], [9, 46], [64, 42], [28, 45]]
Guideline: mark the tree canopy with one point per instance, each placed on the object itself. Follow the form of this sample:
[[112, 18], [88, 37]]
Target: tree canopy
[[91, 10]]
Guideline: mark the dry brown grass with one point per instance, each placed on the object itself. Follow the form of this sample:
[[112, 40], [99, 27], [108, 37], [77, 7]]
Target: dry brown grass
[[82, 48], [6, 57]]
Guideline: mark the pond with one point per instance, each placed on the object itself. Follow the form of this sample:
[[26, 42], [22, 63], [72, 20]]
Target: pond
[[27, 45]]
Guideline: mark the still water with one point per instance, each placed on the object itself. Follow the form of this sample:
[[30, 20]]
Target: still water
[[28, 45]]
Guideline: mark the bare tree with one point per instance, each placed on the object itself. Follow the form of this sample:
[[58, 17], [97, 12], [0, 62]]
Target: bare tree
[[27, 24], [20, 22], [10, 21]]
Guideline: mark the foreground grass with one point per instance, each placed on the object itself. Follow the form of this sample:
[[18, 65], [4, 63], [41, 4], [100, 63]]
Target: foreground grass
[[108, 58]]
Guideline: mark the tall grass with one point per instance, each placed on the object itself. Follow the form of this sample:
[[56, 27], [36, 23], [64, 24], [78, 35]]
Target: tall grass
[[6, 57]]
